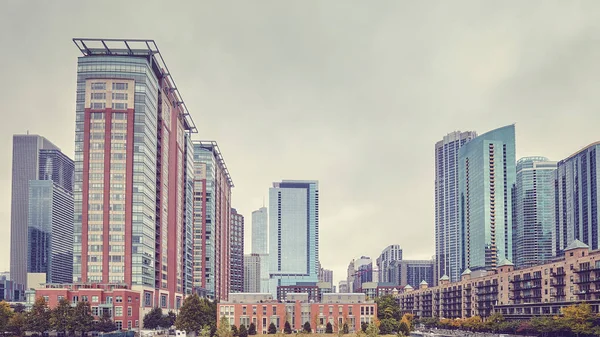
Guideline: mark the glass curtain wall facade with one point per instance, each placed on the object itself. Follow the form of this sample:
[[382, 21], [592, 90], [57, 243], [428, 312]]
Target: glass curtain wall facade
[[448, 232], [389, 254], [576, 199], [486, 178], [50, 218], [533, 211], [237, 252], [260, 232], [130, 170], [212, 218], [293, 233], [25, 167]]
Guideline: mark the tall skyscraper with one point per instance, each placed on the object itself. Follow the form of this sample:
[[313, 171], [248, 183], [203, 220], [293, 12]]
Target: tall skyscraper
[[50, 219], [325, 275], [412, 272], [25, 167], [389, 254], [237, 252], [533, 211], [486, 178], [212, 207], [448, 234], [260, 231], [132, 172], [576, 199], [252, 273], [293, 233]]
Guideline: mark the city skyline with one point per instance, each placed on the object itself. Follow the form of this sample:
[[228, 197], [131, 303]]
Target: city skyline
[[401, 101]]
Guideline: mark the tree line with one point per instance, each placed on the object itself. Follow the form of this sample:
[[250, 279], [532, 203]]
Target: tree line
[[64, 319], [575, 320]]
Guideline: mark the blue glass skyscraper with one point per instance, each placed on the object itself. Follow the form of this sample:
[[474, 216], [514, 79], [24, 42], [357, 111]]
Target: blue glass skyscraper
[[576, 199], [293, 233], [533, 211], [486, 178], [448, 233]]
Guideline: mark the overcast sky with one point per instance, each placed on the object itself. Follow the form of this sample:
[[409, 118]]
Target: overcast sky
[[351, 93]]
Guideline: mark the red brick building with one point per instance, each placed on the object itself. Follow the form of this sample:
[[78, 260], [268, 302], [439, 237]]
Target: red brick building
[[122, 304], [262, 310]]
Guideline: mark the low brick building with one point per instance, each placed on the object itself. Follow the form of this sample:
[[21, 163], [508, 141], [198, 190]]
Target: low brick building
[[121, 303], [262, 310], [522, 293]]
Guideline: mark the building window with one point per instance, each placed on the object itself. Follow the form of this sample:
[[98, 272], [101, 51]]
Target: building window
[[163, 301], [129, 325], [94, 299], [119, 325], [119, 86], [109, 299], [118, 106], [118, 311], [95, 311], [84, 298], [98, 85], [119, 299], [129, 311]]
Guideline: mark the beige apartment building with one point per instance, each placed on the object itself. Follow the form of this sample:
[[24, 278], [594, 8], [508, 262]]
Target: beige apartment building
[[522, 293]]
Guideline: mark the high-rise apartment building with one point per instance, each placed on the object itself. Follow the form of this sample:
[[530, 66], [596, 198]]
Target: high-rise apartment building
[[325, 275], [576, 199], [260, 231], [533, 211], [363, 273], [50, 218], [132, 186], [237, 252], [448, 233], [389, 254], [350, 276], [486, 178], [293, 233], [25, 167], [212, 221], [252, 273], [411, 272]]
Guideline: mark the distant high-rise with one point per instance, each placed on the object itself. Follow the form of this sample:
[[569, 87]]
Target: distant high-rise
[[363, 272], [237, 252], [389, 254], [533, 211], [325, 275], [577, 204], [412, 272], [343, 287], [213, 218], [486, 178], [133, 164], [448, 234], [293, 233], [260, 231], [50, 218], [252, 273], [25, 168]]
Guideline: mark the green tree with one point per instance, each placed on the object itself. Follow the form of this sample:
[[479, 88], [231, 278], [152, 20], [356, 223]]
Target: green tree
[[224, 329], [19, 308], [82, 318], [388, 326], [346, 328], [404, 328], [387, 307], [153, 319], [329, 328], [105, 324], [38, 318], [307, 327], [494, 322], [578, 318], [252, 329], [372, 330], [168, 320], [195, 314], [473, 323], [408, 319], [234, 330], [5, 315], [243, 331], [16, 324], [287, 328], [272, 329], [61, 317]]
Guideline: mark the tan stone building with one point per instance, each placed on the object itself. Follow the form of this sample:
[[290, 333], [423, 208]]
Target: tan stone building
[[523, 293]]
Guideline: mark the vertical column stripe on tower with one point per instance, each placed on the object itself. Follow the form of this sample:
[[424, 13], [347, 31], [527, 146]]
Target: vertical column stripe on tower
[[129, 196], [85, 194], [106, 205]]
